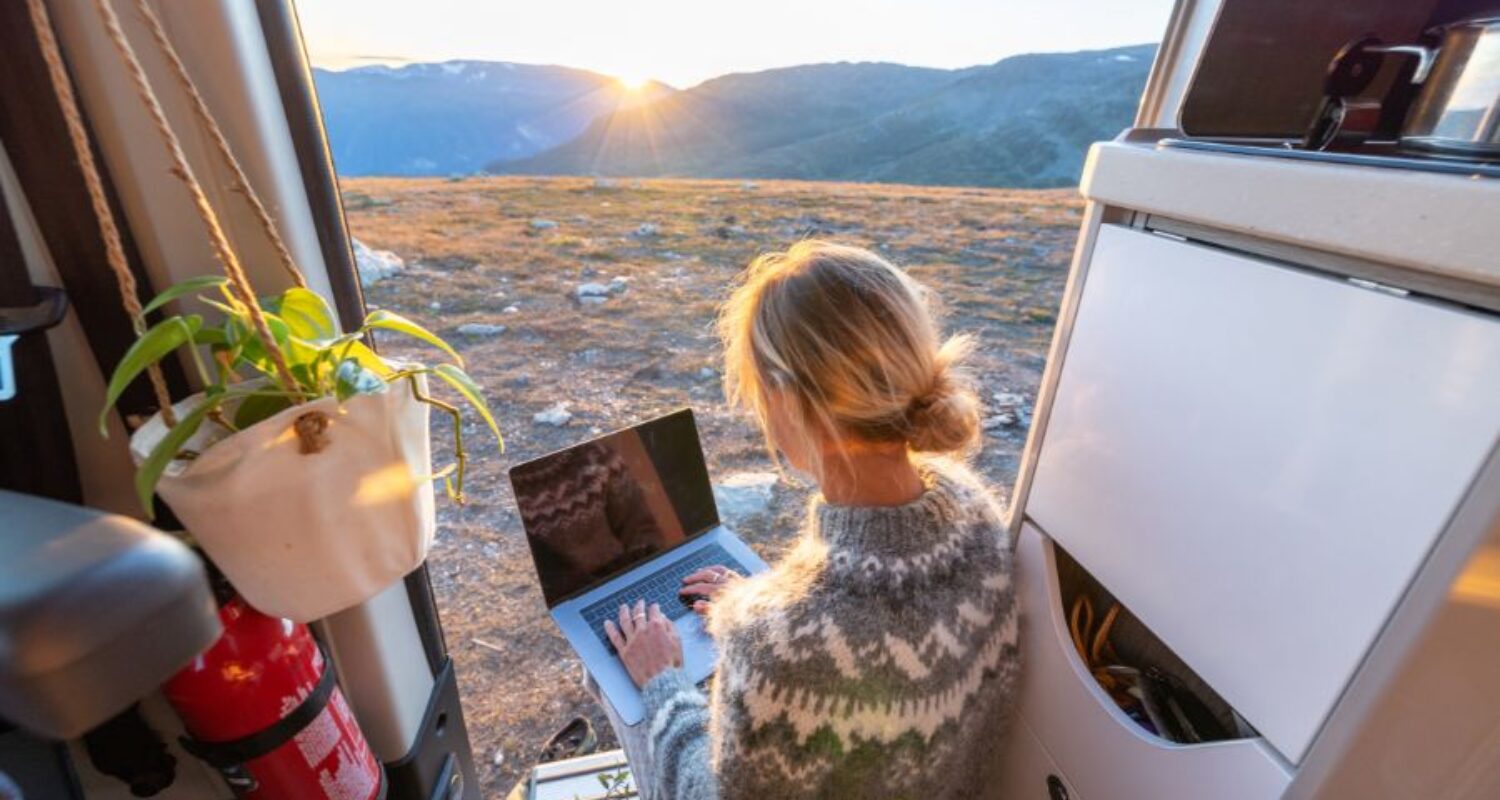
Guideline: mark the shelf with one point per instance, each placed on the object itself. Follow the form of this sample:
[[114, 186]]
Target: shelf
[[1444, 225]]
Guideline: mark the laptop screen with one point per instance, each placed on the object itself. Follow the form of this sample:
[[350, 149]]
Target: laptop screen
[[596, 509]]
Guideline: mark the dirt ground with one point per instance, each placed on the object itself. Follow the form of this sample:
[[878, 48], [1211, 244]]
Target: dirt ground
[[512, 252]]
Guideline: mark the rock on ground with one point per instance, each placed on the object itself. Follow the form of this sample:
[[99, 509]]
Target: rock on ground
[[647, 229], [745, 494], [543, 224], [592, 294], [1010, 411], [556, 416], [480, 329], [375, 265]]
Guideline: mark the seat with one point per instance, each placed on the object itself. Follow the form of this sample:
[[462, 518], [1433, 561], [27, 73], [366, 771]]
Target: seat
[[96, 611]]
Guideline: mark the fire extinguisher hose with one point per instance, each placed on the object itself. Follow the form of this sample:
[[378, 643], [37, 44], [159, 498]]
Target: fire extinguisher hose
[[227, 754]]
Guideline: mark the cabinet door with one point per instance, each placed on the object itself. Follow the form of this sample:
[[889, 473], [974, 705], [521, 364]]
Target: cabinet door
[[1256, 459], [1087, 740]]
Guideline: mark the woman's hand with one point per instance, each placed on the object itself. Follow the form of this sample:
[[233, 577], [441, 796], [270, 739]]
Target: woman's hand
[[706, 584], [646, 641]]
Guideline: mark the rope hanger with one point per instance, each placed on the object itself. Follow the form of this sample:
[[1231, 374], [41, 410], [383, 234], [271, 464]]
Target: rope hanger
[[108, 231], [181, 169]]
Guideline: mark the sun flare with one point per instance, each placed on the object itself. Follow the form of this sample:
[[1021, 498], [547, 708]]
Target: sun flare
[[632, 83]]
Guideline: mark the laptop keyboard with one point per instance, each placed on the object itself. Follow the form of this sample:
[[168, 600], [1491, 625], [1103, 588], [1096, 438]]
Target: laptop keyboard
[[659, 588]]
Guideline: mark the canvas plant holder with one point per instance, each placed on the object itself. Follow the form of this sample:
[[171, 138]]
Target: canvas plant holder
[[303, 535], [312, 510]]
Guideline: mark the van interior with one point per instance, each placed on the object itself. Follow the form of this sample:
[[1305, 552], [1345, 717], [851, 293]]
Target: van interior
[[1260, 493]]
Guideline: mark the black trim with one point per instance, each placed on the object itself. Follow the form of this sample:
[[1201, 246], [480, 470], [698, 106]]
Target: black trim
[[36, 446], [299, 99], [278, 21], [424, 610], [226, 755], [1385, 159], [49, 308], [440, 765]]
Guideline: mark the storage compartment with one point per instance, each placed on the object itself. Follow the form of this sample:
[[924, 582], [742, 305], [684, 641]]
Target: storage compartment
[[1100, 751], [1255, 459], [1146, 680]]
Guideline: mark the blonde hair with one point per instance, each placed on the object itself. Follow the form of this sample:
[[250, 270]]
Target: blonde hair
[[852, 341]]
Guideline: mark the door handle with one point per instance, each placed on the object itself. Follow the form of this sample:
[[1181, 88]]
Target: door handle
[[16, 322]]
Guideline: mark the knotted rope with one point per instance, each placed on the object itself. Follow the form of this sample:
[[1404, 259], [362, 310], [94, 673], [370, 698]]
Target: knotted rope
[[211, 125], [184, 172], [114, 251]]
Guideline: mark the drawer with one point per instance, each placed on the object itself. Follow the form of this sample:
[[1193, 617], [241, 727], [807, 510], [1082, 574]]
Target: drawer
[[1255, 459], [1027, 772], [1102, 753]]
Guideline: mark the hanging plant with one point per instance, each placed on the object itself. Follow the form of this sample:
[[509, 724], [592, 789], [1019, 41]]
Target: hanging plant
[[243, 384], [303, 468]]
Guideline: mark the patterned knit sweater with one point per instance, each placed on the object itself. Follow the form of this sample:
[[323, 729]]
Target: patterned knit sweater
[[877, 660]]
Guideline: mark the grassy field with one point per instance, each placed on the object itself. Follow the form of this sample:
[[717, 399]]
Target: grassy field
[[512, 252]]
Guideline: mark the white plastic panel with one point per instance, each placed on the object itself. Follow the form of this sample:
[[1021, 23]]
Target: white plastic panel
[[1103, 753], [1423, 221], [1255, 459], [1025, 767]]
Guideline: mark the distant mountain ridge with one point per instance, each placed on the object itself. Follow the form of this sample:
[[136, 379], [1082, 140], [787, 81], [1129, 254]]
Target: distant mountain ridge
[[458, 116], [1024, 121]]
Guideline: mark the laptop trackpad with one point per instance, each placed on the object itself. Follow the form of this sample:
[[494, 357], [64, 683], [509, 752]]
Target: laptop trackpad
[[699, 653]]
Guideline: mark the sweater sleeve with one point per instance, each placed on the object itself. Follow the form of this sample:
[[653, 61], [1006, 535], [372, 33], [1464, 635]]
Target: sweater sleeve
[[678, 716]]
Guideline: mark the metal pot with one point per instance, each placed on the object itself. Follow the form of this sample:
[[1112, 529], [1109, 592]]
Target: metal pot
[[1456, 112]]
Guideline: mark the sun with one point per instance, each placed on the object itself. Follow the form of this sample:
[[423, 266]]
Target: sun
[[632, 83]]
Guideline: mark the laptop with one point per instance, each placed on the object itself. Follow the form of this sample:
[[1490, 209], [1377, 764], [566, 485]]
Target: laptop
[[621, 518]]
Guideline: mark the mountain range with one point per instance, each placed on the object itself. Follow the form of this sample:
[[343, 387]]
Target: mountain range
[[1024, 121], [458, 116]]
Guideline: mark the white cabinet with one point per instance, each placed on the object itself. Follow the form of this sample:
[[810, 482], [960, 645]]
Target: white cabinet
[[1255, 459]]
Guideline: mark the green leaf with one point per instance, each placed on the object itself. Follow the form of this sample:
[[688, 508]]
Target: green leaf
[[367, 358], [464, 385], [350, 379], [259, 408], [150, 470], [307, 315], [227, 310], [385, 320], [248, 348], [210, 336], [154, 345], [189, 286]]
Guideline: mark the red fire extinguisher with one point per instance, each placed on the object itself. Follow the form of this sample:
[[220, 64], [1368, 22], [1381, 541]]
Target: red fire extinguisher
[[262, 707]]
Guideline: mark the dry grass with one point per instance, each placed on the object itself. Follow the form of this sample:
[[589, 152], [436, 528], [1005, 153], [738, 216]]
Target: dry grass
[[998, 258]]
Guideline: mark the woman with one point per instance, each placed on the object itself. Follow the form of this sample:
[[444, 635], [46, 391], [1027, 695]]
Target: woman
[[878, 658]]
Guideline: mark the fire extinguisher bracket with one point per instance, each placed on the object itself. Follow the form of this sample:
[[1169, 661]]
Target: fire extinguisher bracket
[[235, 752]]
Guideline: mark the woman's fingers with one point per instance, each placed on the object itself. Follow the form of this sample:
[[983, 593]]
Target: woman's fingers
[[701, 588], [705, 575], [670, 641], [627, 622], [701, 608], [614, 636]]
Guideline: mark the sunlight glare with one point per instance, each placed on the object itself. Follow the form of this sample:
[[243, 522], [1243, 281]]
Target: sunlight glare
[[632, 83]]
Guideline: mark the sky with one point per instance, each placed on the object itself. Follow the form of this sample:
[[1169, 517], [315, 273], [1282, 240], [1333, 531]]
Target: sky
[[684, 42]]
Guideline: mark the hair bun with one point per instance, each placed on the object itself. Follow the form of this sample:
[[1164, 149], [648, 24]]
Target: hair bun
[[946, 417]]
